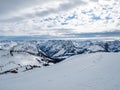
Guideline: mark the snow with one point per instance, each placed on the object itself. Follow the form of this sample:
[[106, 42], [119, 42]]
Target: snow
[[8, 62], [66, 48], [95, 48], [7, 45], [97, 71], [62, 51]]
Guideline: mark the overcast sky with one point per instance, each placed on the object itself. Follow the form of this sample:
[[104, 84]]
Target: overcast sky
[[58, 17]]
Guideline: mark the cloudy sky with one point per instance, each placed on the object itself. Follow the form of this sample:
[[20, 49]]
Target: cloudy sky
[[58, 18]]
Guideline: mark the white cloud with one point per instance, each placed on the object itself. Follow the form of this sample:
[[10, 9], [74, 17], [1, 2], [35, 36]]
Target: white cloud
[[43, 10], [57, 18]]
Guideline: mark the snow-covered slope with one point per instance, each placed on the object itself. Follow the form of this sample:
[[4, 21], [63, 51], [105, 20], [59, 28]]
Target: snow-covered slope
[[96, 71]]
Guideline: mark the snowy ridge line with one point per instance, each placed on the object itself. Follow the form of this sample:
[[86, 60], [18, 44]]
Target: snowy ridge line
[[33, 54]]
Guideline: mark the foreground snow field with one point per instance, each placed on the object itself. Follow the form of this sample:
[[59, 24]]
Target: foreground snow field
[[96, 71]]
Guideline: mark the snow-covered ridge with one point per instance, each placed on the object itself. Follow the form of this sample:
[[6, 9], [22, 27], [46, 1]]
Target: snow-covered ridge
[[21, 57], [66, 48], [17, 56]]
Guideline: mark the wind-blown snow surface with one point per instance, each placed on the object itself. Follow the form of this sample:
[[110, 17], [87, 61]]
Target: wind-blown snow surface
[[97, 71]]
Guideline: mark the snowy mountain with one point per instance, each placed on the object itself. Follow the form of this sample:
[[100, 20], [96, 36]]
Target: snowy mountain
[[20, 56], [66, 48], [96, 71]]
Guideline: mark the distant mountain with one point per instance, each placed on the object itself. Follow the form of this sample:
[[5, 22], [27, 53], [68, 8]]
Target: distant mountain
[[107, 34], [66, 48], [20, 56], [115, 33]]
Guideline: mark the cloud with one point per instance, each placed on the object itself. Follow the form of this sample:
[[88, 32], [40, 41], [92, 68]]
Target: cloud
[[94, 0], [13, 5], [10, 9], [59, 17], [63, 6], [70, 5]]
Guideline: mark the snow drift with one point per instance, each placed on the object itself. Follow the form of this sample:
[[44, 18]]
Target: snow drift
[[96, 71]]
